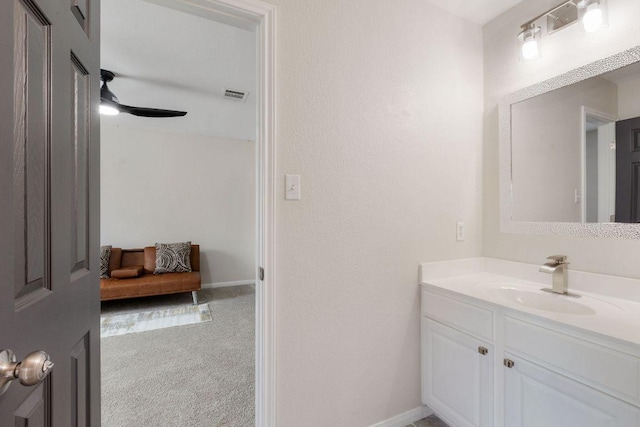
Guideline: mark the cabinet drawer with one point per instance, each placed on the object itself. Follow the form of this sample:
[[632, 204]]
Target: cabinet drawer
[[604, 368], [466, 317]]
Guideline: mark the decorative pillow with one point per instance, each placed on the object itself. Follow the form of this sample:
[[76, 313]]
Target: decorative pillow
[[127, 272], [105, 254], [173, 258]]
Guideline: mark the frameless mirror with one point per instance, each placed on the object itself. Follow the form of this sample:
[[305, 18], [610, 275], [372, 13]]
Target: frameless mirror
[[570, 152]]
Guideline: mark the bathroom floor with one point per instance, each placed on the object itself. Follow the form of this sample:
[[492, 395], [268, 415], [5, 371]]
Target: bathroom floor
[[430, 421]]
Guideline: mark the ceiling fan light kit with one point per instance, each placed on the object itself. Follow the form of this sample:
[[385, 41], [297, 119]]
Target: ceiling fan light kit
[[108, 110], [110, 105]]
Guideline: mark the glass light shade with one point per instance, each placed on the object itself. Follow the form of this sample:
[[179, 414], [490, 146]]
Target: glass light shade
[[529, 43], [108, 110], [593, 15]]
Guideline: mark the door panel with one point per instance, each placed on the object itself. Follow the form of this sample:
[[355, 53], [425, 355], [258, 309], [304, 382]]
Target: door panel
[[80, 383], [80, 10], [635, 193], [31, 145], [49, 206], [627, 168], [80, 154], [34, 410]]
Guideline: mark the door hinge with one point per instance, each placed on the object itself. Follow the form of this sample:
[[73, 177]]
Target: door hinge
[[261, 273]]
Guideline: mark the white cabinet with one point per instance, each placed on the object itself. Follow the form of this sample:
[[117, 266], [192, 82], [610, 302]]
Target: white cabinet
[[458, 375], [597, 365], [543, 375], [534, 396]]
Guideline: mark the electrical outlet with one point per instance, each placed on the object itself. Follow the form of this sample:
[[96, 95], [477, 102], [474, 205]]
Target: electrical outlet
[[459, 231]]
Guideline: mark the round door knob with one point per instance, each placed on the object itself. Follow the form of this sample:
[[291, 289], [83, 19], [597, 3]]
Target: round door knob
[[33, 369]]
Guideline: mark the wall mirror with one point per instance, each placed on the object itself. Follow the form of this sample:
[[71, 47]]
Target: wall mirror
[[570, 152]]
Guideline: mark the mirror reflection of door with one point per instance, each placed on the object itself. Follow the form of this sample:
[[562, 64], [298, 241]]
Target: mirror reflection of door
[[628, 165], [599, 179]]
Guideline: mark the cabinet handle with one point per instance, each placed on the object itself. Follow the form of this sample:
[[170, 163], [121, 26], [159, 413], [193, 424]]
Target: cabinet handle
[[482, 350], [509, 363]]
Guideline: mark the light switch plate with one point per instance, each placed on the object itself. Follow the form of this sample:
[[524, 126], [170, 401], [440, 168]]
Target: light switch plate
[[292, 187]]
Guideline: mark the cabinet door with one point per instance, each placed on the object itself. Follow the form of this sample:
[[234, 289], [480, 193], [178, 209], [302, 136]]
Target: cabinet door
[[535, 396], [457, 379]]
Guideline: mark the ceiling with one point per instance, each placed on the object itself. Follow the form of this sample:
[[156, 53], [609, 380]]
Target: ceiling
[[477, 11], [165, 58]]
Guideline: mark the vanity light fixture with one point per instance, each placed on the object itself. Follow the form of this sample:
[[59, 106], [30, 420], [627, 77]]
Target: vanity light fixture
[[529, 42], [592, 15]]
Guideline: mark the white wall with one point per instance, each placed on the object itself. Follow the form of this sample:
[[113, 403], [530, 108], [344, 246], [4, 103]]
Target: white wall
[[380, 112], [503, 73], [158, 186], [591, 164], [629, 99], [546, 149]]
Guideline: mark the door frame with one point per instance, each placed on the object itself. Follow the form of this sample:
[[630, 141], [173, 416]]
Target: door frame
[[259, 16], [591, 112]]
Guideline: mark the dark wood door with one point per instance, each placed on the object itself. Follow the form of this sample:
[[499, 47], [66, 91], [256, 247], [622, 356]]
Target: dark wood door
[[628, 170], [49, 201]]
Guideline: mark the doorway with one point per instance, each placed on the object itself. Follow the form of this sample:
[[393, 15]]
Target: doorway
[[598, 166], [52, 286], [259, 17]]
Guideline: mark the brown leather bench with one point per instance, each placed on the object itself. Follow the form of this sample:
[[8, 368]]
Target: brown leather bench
[[143, 261]]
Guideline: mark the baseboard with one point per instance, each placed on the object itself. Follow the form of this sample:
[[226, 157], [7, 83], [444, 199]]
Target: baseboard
[[226, 284], [401, 420]]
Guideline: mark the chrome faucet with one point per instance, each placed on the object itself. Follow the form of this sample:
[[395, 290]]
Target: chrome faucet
[[557, 267]]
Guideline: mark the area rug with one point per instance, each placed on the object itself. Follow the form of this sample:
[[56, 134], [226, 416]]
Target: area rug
[[112, 325]]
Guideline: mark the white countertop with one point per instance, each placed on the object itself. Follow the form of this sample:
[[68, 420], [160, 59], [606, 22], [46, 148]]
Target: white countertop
[[610, 305]]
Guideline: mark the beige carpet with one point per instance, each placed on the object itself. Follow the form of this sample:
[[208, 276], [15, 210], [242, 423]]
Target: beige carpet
[[193, 375]]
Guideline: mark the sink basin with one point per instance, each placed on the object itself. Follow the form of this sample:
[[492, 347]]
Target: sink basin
[[516, 294], [538, 299]]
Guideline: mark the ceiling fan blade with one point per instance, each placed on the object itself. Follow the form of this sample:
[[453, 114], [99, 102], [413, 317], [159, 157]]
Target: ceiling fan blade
[[109, 99], [150, 112]]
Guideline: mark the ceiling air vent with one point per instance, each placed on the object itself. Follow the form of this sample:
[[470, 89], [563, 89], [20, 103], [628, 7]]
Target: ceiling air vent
[[235, 95]]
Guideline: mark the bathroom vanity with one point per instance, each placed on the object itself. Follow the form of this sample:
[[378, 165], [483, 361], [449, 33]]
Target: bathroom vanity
[[498, 351]]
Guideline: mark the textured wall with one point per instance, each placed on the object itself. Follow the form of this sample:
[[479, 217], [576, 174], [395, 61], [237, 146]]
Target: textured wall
[[380, 112], [503, 74], [172, 187]]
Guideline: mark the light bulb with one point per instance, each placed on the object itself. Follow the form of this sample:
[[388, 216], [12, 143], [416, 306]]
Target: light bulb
[[529, 42], [108, 110], [592, 20], [530, 49]]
